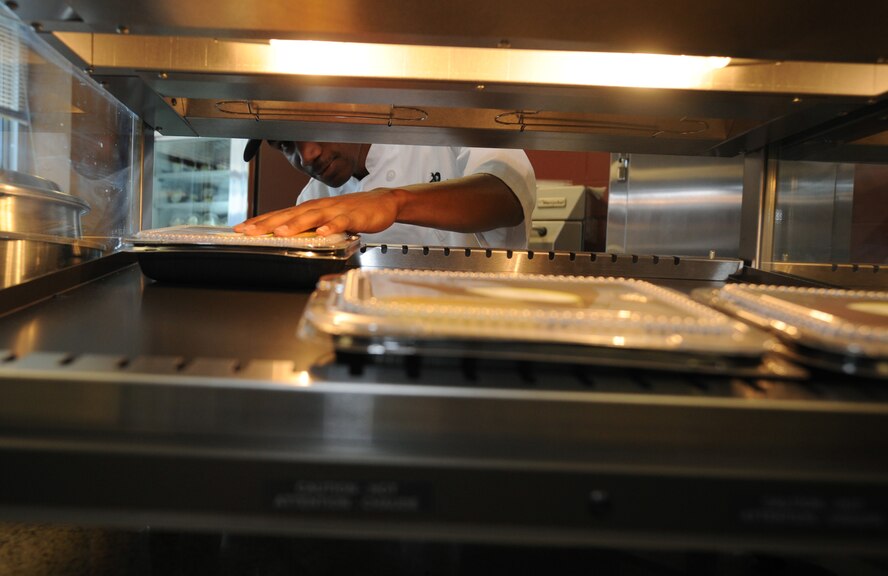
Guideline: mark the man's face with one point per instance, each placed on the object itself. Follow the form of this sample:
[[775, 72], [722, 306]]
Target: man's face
[[330, 162]]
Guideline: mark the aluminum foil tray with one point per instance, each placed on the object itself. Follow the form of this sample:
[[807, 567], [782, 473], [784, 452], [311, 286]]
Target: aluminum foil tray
[[218, 255], [840, 330], [217, 236], [611, 321]]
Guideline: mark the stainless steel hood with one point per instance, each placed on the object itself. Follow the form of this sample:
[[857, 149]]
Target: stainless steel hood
[[815, 30], [478, 74]]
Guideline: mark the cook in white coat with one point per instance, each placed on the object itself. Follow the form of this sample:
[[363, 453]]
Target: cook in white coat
[[426, 195]]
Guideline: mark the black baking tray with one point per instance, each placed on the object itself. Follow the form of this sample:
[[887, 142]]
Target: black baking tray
[[238, 268]]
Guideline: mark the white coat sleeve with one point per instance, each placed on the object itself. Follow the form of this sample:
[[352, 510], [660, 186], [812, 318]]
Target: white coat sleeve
[[514, 169]]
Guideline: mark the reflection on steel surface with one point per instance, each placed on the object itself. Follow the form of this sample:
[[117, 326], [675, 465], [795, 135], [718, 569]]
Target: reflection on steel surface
[[27, 256]]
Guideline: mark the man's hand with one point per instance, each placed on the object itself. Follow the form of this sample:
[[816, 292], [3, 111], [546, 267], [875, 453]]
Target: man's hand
[[369, 212]]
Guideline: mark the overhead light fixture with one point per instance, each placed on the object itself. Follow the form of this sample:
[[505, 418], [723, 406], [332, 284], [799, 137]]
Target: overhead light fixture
[[491, 65]]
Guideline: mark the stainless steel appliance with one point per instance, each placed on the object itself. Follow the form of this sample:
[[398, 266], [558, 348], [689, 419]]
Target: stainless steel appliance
[[40, 228], [567, 217], [33, 205], [664, 204]]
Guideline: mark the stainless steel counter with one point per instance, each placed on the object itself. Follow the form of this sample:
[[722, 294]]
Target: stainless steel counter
[[128, 315], [128, 403]]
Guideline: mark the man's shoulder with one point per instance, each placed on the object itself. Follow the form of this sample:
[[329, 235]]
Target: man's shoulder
[[400, 150]]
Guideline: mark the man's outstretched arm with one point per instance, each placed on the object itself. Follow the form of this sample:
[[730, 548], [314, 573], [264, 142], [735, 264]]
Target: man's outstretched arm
[[474, 203]]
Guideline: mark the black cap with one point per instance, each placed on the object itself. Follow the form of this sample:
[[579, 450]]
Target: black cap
[[251, 148]]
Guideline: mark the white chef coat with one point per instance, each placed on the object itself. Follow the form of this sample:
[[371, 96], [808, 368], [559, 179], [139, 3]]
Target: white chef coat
[[391, 166]]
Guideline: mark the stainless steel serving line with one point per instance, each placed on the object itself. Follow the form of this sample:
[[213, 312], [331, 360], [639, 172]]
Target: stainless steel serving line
[[125, 402]]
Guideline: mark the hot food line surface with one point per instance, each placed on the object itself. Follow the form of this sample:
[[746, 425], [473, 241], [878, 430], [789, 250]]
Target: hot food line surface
[[128, 315], [182, 380], [130, 324]]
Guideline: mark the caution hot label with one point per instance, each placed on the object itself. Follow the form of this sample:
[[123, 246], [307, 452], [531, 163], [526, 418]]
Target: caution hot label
[[351, 497]]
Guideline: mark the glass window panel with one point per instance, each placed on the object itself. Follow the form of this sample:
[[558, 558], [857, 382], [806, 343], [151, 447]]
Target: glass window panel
[[69, 161], [199, 181]]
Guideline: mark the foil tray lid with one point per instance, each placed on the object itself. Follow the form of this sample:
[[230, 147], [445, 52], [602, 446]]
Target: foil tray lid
[[471, 306], [225, 236], [850, 322]]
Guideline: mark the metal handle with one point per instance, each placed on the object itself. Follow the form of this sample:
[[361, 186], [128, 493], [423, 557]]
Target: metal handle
[[535, 119], [251, 109], [623, 169]]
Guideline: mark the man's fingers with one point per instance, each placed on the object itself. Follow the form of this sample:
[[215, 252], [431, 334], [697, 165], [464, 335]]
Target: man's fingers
[[254, 222], [307, 220], [339, 223], [269, 222]]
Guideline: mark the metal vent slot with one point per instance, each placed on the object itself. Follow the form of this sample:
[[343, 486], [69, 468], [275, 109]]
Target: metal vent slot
[[218, 368], [215, 367], [156, 365]]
